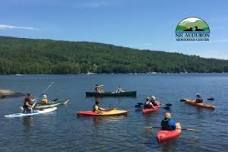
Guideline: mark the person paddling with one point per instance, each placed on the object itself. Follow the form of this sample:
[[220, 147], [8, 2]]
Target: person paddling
[[44, 100], [97, 108], [99, 88], [154, 101], [28, 104], [119, 90], [151, 102], [198, 99], [168, 123], [148, 104]]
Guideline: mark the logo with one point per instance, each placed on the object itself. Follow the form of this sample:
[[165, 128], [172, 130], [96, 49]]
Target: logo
[[192, 29]]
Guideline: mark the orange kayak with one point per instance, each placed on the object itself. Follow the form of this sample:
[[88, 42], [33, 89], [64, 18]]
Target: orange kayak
[[200, 105]]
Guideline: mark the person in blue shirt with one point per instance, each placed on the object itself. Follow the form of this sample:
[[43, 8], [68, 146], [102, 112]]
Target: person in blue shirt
[[168, 123]]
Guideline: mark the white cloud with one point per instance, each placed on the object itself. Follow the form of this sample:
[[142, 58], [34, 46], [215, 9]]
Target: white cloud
[[8, 27]]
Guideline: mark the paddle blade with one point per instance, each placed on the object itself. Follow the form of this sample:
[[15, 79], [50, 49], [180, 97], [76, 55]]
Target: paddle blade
[[210, 98], [139, 103], [137, 106], [182, 100], [168, 104], [166, 108]]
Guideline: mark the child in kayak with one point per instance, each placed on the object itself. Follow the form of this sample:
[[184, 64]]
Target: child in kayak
[[199, 99], [96, 107], [28, 104], [168, 123], [44, 99]]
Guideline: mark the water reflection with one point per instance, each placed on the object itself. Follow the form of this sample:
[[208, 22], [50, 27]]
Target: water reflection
[[27, 123], [97, 121]]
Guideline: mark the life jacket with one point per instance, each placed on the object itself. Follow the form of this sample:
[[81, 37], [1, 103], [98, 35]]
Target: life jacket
[[168, 124], [27, 100]]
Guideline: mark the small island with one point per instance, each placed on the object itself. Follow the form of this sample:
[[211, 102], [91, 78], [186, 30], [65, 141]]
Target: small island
[[5, 93]]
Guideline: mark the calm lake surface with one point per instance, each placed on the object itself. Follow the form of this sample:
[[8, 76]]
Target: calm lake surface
[[63, 131]]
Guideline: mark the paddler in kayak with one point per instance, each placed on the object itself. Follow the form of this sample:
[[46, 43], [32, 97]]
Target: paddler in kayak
[[97, 108], [119, 90], [198, 99], [44, 100], [99, 88], [154, 101], [168, 123], [151, 102], [148, 104], [27, 107]]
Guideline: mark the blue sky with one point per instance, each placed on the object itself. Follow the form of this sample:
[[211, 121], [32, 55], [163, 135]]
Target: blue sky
[[143, 24]]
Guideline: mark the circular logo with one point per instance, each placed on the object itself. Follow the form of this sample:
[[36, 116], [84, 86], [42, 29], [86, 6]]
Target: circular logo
[[192, 29]]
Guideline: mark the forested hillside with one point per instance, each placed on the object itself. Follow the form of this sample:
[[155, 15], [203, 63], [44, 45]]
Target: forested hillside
[[36, 56]]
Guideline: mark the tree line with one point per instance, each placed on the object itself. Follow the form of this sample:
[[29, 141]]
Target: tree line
[[37, 56]]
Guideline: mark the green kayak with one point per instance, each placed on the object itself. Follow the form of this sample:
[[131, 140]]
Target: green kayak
[[51, 104]]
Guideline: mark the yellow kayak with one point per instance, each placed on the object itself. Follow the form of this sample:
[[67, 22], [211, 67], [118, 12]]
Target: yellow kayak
[[112, 112], [201, 105]]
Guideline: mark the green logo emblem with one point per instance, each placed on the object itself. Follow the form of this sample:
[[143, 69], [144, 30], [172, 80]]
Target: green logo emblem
[[192, 29]]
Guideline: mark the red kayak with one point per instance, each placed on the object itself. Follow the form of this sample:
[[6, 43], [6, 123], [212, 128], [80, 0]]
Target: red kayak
[[150, 110], [165, 135]]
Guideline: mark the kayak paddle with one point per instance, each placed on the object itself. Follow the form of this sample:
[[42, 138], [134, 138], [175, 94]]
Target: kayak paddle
[[182, 100], [165, 106], [188, 129]]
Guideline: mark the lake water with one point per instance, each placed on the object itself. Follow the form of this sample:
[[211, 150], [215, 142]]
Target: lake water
[[64, 131]]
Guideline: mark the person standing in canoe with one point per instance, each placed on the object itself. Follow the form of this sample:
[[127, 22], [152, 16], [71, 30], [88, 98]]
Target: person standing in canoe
[[198, 99], [97, 108], [99, 88], [27, 107], [119, 90], [44, 100], [168, 123]]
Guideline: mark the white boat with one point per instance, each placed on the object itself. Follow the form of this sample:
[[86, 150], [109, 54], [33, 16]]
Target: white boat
[[35, 112]]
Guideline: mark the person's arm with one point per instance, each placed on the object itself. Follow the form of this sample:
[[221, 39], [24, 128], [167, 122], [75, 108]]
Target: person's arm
[[102, 109], [27, 104]]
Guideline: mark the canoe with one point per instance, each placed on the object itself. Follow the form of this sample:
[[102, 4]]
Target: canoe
[[51, 104], [151, 110], [35, 112], [113, 112], [166, 135], [112, 94], [200, 105]]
